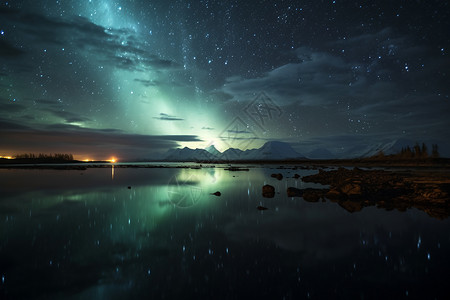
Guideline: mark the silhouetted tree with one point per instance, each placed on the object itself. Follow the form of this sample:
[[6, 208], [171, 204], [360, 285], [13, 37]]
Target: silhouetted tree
[[424, 152], [435, 151], [43, 156], [417, 151]]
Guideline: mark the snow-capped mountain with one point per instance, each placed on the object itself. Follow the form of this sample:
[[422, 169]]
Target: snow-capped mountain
[[275, 150], [269, 151]]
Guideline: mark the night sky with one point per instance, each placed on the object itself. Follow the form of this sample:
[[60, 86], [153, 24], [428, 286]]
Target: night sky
[[101, 78]]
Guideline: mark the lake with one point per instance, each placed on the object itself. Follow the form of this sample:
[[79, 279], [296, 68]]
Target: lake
[[155, 233]]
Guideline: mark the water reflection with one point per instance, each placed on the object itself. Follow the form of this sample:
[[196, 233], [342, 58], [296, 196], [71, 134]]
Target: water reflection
[[72, 234]]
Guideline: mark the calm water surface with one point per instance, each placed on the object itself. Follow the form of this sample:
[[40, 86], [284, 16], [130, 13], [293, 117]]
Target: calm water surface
[[69, 234]]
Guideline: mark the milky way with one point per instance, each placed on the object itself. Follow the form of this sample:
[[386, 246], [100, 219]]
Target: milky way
[[136, 78]]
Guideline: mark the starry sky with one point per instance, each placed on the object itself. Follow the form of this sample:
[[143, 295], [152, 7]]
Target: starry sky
[[133, 78]]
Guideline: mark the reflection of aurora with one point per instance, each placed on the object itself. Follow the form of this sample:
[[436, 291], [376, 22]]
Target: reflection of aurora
[[184, 192], [65, 232], [185, 189]]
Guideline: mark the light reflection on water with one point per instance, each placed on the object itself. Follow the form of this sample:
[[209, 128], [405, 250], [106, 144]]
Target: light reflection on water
[[86, 234]]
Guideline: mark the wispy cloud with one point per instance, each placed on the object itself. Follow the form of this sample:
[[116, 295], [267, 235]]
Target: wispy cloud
[[69, 117], [167, 117]]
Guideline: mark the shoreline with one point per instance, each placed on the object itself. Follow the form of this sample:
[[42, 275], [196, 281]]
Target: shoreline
[[430, 163]]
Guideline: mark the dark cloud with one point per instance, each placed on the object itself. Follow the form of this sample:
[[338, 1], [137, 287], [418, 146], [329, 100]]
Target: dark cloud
[[373, 67], [117, 47], [10, 107], [221, 96], [6, 125], [9, 51], [317, 78], [69, 117], [98, 142], [147, 83], [238, 131], [45, 101], [166, 117]]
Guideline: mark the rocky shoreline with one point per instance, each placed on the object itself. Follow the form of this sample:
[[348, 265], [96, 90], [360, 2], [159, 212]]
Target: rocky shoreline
[[354, 189]]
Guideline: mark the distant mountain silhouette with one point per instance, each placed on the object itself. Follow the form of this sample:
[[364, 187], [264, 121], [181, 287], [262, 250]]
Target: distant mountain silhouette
[[188, 154], [272, 150], [211, 149], [275, 150]]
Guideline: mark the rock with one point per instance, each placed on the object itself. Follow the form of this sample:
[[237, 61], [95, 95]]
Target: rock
[[278, 176], [313, 195], [129, 187], [356, 188], [268, 191], [259, 207], [333, 194], [309, 194], [296, 176], [351, 189], [217, 194], [294, 192]]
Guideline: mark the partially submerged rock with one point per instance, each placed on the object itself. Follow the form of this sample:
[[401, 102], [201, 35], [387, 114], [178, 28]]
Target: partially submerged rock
[[278, 176], [352, 189], [217, 194], [309, 194], [259, 207], [268, 191], [314, 195], [357, 188]]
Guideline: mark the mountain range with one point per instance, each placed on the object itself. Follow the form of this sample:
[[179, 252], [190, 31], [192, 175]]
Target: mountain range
[[276, 150], [272, 150]]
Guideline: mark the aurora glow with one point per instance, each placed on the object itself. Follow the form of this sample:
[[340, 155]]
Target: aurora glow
[[135, 78]]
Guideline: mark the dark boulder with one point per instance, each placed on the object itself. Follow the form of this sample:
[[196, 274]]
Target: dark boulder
[[268, 191], [278, 176], [313, 195]]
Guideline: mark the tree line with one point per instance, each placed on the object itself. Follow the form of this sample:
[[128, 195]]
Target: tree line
[[43, 156]]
